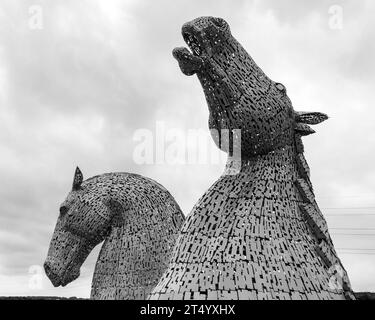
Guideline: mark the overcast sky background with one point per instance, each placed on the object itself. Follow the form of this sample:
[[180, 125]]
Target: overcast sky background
[[75, 92]]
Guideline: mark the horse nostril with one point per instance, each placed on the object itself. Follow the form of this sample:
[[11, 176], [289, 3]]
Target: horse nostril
[[51, 273]]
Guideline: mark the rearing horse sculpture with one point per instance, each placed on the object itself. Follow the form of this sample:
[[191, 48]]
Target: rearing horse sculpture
[[257, 234], [139, 222]]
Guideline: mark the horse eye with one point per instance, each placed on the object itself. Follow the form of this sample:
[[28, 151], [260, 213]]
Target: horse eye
[[280, 87], [219, 22], [63, 210]]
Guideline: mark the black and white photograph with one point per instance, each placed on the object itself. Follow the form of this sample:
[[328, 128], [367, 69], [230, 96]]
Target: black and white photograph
[[187, 150]]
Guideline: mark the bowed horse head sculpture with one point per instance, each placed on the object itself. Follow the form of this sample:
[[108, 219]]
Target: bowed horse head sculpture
[[84, 222], [137, 219]]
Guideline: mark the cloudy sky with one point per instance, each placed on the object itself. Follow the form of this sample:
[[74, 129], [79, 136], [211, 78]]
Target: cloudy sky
[[78, 87]]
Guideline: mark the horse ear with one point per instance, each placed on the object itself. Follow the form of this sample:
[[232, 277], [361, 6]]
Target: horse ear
[[303, 129], [77, 180], [310, 117]]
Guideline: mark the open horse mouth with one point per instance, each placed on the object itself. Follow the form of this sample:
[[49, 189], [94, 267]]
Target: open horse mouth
[[190, 61], [193, 43]]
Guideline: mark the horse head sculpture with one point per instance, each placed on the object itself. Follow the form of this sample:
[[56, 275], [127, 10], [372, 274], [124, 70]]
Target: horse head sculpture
[[139, 221], [240, 96], [258, 233]]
